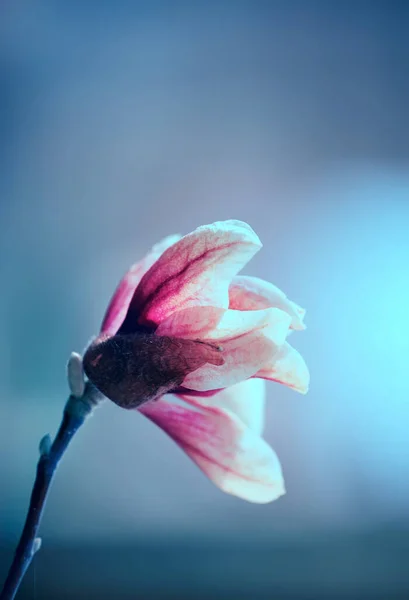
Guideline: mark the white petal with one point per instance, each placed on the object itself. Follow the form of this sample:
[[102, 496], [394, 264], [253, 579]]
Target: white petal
[[244, 354], [287, 366], [252, 293]]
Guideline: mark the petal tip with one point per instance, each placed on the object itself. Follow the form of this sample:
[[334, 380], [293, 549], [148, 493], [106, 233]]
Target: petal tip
[[303, 390], [278, 490], [269, 493]]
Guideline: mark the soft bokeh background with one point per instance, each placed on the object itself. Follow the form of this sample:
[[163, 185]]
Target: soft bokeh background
[[122, 122]]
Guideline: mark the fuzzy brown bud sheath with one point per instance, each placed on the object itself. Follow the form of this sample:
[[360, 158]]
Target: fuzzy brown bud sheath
[[135, 368]]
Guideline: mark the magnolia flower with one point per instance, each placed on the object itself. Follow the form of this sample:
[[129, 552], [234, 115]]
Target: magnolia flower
[[188, 343]]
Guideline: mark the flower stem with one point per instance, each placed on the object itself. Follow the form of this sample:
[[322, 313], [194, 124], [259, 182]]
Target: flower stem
[[75, 413]]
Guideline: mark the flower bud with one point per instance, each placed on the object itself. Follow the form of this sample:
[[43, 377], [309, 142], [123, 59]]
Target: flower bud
[[45, 445], [75, 375]]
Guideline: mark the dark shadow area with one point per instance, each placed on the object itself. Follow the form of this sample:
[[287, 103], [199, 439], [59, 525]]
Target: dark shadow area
[[363, 567]]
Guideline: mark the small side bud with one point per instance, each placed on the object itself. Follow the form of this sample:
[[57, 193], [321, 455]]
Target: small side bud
[[45, 445], [75, 374], [36, 545]]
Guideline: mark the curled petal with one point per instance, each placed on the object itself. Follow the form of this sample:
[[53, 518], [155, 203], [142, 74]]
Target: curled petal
[[287, 366], [196, 271], [233, 456], [244, 354], [245, 399], [118, 307], [252, 293]]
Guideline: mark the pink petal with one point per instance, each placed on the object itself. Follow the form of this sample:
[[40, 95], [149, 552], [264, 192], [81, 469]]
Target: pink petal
[[245, 399], [244, 354], [122, 297], [196, 271], [191, 323], [252, 293], [210, 323], [233, 456], [287, 366]]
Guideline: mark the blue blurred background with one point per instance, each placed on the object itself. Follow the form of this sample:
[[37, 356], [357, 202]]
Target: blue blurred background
[[122, 122]]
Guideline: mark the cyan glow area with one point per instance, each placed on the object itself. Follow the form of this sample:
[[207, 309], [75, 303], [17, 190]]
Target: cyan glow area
[[359, 357]]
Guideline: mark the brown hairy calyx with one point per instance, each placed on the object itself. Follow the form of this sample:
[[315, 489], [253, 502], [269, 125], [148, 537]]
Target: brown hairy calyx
[[131, 369]]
